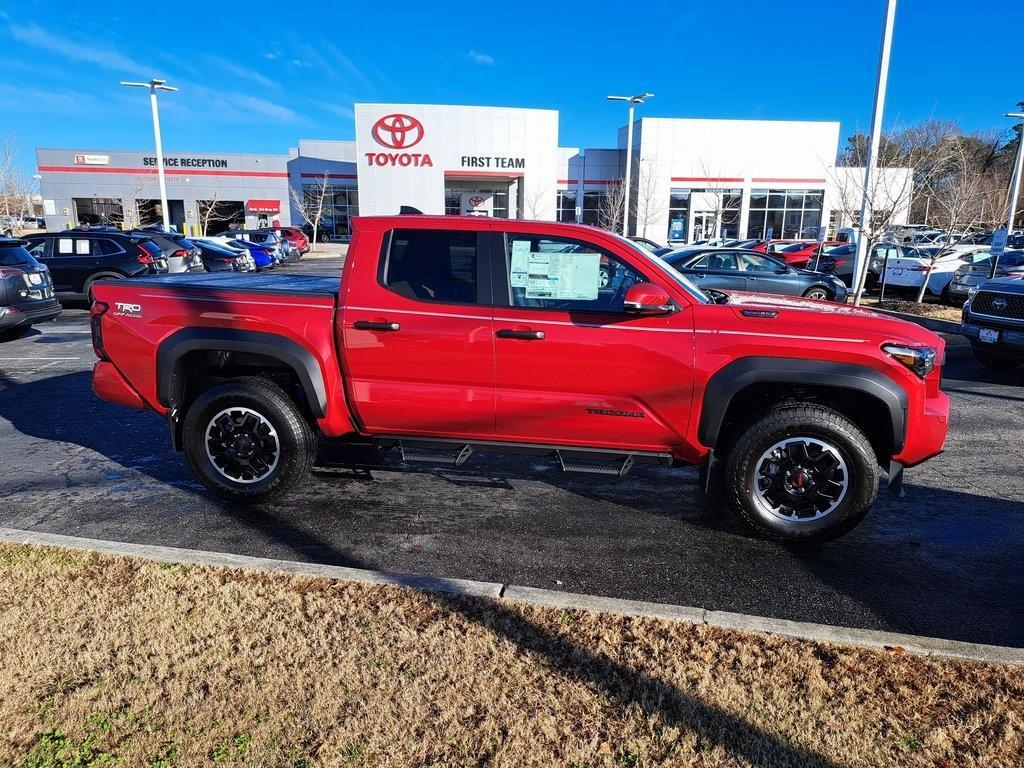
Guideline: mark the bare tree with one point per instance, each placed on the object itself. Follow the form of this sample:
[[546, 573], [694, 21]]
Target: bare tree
[[610, 206], [534, 202], [15, 183], [647, 206], [213, 209], [312, 202], [131, 210]]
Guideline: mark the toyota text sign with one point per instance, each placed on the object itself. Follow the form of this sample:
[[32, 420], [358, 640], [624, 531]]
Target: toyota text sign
[[400, 132]]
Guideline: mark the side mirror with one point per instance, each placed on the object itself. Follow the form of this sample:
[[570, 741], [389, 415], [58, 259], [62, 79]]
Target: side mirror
[[647, 299], [783, 271]]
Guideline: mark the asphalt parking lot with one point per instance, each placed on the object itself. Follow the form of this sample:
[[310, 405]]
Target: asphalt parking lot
[[944, 561]]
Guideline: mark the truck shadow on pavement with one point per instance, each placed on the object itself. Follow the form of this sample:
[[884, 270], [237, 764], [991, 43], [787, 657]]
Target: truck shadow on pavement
[[941, 562]]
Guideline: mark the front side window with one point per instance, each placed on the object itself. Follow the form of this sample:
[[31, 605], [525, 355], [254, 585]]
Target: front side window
[[553, 273], [432, 265], [751, 262]]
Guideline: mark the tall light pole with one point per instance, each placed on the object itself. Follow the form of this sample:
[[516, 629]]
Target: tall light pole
[[861, 261], [1017, 168], [155, 85], [632, 101]]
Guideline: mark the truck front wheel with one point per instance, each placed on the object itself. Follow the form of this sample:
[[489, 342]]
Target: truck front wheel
[[246, 439], [802, 472]]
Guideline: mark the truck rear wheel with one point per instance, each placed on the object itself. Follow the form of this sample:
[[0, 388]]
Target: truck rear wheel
[[246, 439], [802, 472]]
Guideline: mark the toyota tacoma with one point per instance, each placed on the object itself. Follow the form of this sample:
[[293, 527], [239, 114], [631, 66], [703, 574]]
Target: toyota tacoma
[[451, 336]]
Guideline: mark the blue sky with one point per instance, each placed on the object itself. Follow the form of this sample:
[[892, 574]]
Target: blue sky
[[255, 77]]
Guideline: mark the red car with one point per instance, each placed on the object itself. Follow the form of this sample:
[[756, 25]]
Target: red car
[[452, 336], [803, 254], [293, 235]]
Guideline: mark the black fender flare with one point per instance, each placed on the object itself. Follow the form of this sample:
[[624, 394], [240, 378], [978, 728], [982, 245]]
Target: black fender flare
[[725, 383], [170, 359]]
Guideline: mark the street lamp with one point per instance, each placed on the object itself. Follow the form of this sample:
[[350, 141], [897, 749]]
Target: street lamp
[[860, 273], [632, 101], [155, 85], [1018, 166]]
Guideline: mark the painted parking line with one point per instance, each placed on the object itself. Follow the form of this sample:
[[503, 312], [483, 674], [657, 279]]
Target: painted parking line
[[40, 359]]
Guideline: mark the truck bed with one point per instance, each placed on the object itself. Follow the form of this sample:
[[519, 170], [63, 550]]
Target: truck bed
[[238, 282]]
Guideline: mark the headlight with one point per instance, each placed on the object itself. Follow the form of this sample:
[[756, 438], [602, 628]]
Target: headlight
[[921, 360], [971, 293]]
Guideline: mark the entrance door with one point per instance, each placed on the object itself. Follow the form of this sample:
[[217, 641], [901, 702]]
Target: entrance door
[[419, 347], [705, 225], [572, 368]]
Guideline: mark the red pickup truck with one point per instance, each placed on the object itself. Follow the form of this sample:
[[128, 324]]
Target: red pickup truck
[[450, 336]]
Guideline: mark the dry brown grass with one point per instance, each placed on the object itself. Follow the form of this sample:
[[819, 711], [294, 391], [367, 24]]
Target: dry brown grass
[[107, 658]]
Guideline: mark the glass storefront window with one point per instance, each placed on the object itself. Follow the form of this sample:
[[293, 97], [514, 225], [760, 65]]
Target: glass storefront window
[[340, 205], [791, 213], [566, 206], [592, 208]]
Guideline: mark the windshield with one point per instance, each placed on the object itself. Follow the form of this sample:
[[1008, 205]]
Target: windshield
[[793, 248], [17, 256], [667, 270]]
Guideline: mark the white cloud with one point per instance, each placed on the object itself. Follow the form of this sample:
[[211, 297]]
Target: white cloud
[[103, 56], [484, 59], [239, 72], [340, 110]]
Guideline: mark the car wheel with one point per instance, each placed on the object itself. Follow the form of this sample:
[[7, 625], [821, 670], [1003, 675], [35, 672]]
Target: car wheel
[[87, 288], [818, 293], [246, 439], [802, 473], [994, 361], [605, 278]]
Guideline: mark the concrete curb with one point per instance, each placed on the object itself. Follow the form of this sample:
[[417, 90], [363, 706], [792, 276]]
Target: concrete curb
[[863, 638]]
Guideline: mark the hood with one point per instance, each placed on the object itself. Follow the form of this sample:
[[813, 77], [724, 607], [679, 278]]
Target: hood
[[798, 315], [1014, 285]]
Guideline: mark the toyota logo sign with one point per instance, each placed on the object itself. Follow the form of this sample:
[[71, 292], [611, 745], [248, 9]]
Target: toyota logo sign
[[476, 201], [999, 303], [397, 131]]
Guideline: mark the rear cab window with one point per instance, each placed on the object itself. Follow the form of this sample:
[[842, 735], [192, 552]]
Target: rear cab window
[[433, 265]]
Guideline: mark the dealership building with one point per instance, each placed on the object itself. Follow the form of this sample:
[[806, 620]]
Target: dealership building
[[691, 178]]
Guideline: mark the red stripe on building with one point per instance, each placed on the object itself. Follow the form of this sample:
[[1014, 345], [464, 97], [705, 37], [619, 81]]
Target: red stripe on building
[[329, 175], [167, 171], [707, 178], [789, 181], [486, 174]]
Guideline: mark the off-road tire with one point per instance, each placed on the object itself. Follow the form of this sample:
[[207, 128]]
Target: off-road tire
[[791, 420], [296, 440], [994, 361]]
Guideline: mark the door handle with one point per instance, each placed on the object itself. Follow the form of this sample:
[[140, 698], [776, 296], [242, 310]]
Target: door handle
[[368, 325], [509, 333]]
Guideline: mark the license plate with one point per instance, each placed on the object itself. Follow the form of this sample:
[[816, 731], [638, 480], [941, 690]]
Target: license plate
[[896, 272], [988, 335]]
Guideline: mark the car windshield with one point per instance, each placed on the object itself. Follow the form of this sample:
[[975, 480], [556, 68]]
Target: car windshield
[[1008, 259], [793, 248], [663, 267]]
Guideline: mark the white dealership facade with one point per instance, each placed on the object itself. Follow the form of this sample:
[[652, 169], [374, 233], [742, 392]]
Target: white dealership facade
[[691, 178]]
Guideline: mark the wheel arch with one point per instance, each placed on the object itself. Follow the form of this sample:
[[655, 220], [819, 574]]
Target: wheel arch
[[750, 380], [174, 354]]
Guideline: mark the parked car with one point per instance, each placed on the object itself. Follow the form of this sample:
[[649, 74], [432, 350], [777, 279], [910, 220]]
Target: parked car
[[218, 257], [182, 254], [993, 321], [912, 267], [262, 256], [805, 254], [970, 276], [730, 270], [282, 250], [656, 248], [845, 257], [462, 334], [293, 235], [77, 259], [26, 290]]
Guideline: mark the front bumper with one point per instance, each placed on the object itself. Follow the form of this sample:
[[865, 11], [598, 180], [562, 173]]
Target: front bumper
[[1011, 340], [926, 431], [29, 313]]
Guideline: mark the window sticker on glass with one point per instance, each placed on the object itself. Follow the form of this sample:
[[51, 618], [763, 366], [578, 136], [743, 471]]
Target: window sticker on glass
[[82, 247], [567, 276], [520, 263], [65, 245]]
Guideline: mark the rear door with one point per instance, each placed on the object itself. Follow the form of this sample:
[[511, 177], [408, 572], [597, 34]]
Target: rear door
[[719, 270], [417, 335], [71, 261], [764, 275], [572, 367]]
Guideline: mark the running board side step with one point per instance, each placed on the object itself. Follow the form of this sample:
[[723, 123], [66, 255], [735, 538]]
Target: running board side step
[[434, 453], [570, 462]]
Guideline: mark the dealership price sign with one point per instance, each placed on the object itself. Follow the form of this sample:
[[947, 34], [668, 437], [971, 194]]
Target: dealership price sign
[[567, 276]]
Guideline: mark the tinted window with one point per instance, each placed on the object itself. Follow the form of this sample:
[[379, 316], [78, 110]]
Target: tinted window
[[718, 262], [433, 265], [16, 257], [552, 273], [37, 248], [752, 262], [104, 247]]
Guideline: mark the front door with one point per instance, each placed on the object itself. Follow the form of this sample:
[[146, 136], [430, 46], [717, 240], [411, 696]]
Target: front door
[[764, 275], [719, 270], [572, 368], [418, 346]]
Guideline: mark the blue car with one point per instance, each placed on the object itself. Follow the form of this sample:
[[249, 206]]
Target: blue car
[[263, 257]]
